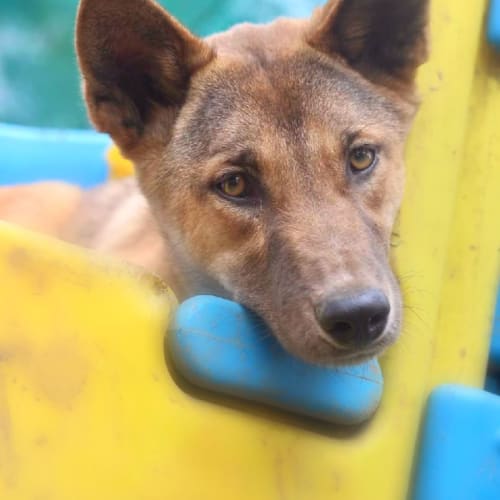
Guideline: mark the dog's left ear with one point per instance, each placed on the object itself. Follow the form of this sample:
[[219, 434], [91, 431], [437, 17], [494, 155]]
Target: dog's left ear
[[137, 63], [384, 40]]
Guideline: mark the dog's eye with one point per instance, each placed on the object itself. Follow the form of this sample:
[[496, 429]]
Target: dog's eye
[[362, 158], [234, 186]]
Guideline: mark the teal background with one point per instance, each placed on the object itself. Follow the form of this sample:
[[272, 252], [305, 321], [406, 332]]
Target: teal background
[[39, 82]]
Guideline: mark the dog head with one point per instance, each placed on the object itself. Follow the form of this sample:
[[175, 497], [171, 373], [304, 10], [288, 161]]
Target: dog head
[[271, 156]]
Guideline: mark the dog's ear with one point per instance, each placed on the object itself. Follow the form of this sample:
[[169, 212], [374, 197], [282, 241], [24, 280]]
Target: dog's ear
[[136, 62], [384, 40]]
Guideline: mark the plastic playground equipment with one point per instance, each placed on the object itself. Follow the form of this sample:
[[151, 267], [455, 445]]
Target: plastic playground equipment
[[97, 402]]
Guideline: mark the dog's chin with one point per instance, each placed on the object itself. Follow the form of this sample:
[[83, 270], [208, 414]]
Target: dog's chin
[[314, 349], [355, 358], [330, 357]]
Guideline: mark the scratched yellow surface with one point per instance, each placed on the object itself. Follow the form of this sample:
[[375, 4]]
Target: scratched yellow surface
[[90, 410]]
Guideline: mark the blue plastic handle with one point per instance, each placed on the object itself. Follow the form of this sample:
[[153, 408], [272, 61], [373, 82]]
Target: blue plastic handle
[[221, 346], [459, 455]]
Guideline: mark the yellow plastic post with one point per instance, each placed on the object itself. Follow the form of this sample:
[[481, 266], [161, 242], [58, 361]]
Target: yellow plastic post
[[119, 166]]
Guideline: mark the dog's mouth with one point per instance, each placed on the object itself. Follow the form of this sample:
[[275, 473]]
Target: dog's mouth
[[357, 357], [318, 351], [302, 336]]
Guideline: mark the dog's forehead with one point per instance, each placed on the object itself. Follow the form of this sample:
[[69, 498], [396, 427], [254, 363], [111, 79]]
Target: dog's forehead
[[275, 57], [266, 81]]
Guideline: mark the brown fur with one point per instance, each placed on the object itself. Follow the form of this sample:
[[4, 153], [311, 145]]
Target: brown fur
[[281, 102]]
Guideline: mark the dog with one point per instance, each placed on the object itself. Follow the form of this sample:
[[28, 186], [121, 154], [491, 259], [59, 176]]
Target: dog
[[269, 162]]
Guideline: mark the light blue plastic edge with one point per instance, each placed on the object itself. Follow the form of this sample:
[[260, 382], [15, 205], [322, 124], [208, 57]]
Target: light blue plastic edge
[[494, 23], [219, 345], [459, 457], [30, 154]]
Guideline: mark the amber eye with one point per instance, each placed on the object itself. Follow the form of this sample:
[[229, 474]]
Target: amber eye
[[234, 186], [362, 158]]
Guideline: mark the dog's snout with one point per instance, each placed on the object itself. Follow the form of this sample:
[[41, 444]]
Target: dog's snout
[[354, 320]]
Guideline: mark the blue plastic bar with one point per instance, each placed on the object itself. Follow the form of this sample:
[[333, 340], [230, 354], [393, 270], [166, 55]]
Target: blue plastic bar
[[32, 154], [219, 345]]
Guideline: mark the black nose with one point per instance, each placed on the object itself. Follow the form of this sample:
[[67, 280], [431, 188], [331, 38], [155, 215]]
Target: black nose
[[355, 319]]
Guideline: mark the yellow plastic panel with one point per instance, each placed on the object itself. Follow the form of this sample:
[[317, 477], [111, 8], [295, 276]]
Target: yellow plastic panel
[[89, 409], [473, 252], [81, 363]]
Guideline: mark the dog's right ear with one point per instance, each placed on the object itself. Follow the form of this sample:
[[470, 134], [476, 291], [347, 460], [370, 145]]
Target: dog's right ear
[[137, 62]]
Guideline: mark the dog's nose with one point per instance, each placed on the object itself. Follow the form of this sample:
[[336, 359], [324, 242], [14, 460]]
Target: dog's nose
[[354, 320]]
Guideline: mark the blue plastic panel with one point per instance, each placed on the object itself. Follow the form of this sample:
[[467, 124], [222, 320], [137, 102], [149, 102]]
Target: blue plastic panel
[[460, 450], [30, 154], [219, 345], [494, 25]]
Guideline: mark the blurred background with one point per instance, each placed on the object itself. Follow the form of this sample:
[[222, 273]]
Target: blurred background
[[39, 82]]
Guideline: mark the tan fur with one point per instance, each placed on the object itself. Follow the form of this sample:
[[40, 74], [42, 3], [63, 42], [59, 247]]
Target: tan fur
[[282, 103], [45, 207]]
